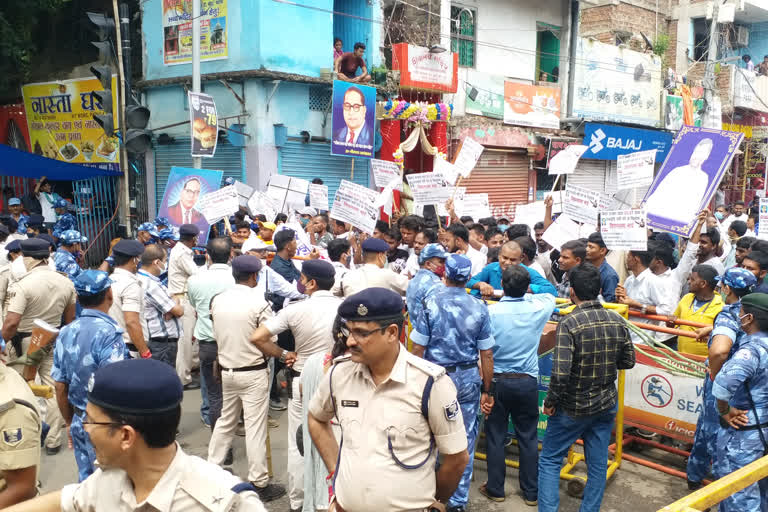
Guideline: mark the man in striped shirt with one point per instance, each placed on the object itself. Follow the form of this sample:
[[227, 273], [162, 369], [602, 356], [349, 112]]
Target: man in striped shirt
[[161, 325]]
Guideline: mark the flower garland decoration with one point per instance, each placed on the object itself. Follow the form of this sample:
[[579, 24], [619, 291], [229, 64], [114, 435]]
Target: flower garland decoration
[[417, 112]]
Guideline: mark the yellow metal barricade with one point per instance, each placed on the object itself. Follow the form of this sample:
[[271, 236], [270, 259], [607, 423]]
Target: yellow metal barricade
[[718, 490]]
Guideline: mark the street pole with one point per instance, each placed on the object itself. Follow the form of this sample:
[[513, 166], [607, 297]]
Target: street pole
[[196, 161], [709, 73], [125, 205]]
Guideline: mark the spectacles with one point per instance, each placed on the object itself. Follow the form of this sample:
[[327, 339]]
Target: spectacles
[[354, 107], [358, 334], [87, 421], [193, 192]]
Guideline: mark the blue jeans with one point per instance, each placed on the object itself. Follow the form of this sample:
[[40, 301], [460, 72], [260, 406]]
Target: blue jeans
[[562, 431], [209, 386], [519, 398]]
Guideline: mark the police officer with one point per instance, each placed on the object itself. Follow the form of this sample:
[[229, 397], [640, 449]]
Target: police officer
[[92, 341], [128, 296], [741, 390], [310, 321], [20, 428], [373, 272], [133, 412], [396, 412], [65, 219], [69, 251], [15, 208], [181, 266], [452, 327], [162, 223], [35, 225], [736, 283], [42, 294], [147, 233], [236, 313], [427, 279], [13, 251]]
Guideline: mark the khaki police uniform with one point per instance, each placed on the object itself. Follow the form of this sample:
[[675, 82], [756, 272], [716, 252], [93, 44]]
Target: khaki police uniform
[[236, 313], [311, 322], [43, 294], [181, 266], [5, 284], [189, 484], [367, 475], [370, 276], [127, 296], [20, 424]]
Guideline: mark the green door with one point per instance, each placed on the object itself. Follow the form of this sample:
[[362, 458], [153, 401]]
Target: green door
[[548, 50]]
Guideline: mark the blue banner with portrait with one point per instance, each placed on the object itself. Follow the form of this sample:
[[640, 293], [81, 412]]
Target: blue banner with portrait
[[182, 194], [354, 119], [689, 177]]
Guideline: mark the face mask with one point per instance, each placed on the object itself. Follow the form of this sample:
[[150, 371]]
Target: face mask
[[502, 227], [77, 254], [18, 269], [719, 215], [740, 321], [439, 270], [304, 222]]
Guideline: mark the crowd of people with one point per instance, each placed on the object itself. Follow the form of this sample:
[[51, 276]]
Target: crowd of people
[[366, 417]]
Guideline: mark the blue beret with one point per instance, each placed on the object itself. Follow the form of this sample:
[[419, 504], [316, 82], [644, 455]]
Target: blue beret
[[35, 247], [71, 236], [136, 386], [168, 234], [14, 201], [375, 245], [149, 228], [756, 300], [318, 269], [48, 238], [246, 264], [92, 282], [35, 220], [162, 221], [371, 304], [189, 230], [739, 278], [458, 268], [60, 203], [128, 248], [13, 246], [432, 251]]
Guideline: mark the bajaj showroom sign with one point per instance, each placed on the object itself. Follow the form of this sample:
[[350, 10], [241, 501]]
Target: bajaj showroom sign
[[606, 142]]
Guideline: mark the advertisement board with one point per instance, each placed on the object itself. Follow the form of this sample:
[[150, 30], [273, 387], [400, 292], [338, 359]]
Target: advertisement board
[[531, 105], [425, 71], [177, 30]]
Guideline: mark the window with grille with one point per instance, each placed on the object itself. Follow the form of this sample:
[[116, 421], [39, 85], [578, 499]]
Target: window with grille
[[464, 34], [319, 97]]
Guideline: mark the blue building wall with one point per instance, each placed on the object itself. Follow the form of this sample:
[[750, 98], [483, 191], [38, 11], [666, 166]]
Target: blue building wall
[[758, 44]]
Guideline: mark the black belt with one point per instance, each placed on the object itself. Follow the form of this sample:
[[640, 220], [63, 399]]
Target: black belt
[[164, 340], [511, 375], [261, 366], [455, 368], [725, 424], [210, 342], [131, 347]]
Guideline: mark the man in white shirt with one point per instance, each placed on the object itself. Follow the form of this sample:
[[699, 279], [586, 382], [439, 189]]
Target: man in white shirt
[[456, 239], [128, 296], [738, 213]]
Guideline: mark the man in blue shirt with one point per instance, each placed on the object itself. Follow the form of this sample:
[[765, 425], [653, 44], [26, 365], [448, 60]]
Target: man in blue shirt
[[489, 279], [427, 279], [609, 279], [90, 342], [67, 254], [64, 220], [450, 331], [15, 208], [517, 322]]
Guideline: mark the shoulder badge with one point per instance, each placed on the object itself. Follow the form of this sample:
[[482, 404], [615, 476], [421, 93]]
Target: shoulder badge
[[452, 411], [425, 366], [342, 359], [212, 496], [12, 436]]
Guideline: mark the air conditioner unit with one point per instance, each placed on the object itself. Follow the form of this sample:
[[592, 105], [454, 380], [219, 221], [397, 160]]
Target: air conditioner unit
[[742, 36]]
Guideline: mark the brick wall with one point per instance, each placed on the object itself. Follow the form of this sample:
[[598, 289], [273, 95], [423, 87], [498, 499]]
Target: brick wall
[[605, 21], [671, 55], [722, 82]]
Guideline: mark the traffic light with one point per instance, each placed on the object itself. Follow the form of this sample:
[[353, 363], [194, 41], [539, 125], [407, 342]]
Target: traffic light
[[137, 138], [104, 99]]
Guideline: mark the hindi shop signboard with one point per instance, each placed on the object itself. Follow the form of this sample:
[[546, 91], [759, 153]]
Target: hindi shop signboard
[[61, 125], [531, 105], [425, 71], [607, 142]]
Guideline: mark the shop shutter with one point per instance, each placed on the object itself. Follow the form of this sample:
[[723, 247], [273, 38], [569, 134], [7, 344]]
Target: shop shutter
[[623, 199], [314, 160], [228, 159], [590, 174], [503, 174]]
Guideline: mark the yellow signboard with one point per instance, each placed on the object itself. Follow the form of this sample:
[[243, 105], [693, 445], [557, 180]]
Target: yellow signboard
[[61, 124]]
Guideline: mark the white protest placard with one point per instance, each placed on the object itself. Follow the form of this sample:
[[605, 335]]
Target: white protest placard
[[762, 226], [429, 188], [244, 192], [468, 156], [318, 196], [259, 202], [530, 214], [581, 204], [447, 169], [635, 169], [385, 199], [384, 171], [303, 243], [476, 206], [565, 161], [562, 230], [355, 204], [219, 204], [624, 230], [289, 193]]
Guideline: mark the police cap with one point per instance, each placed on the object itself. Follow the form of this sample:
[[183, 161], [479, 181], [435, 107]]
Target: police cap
[[162, 221], [458, 268], [60, 203], [11, 223], [756, 300], [149, 228], [432, 251], [71, 236], [92, 282], [371, 304], [35, 248], [738, 278], [375, 245], [136, 386], [48, 238], [128, 248], [13, 246], [168, 234], [246, 264], [318, 269], [35, 220], [4, 230], [189, 230], [14, 201]]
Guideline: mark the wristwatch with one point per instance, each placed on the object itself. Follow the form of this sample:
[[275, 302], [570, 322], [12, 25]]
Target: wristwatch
[[283, 356], [645, 309]]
